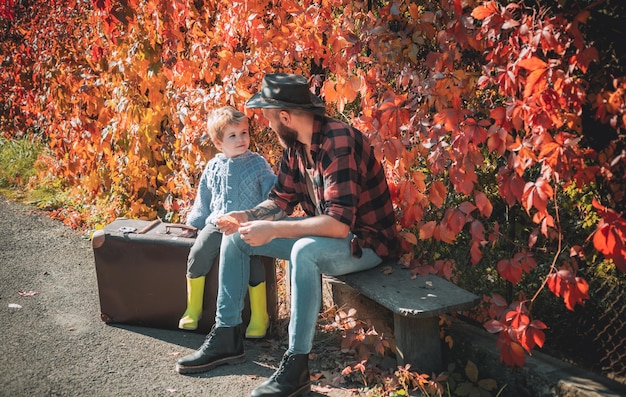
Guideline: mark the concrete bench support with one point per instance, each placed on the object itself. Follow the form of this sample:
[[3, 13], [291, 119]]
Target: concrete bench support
[[416, 305]]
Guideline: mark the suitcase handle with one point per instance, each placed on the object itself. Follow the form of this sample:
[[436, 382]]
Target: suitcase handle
[[149, 226], [181, 226]]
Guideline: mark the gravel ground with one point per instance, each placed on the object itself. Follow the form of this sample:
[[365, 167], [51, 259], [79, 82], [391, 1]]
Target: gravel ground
[[53, 342]]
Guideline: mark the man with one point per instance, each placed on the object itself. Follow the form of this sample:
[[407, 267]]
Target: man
[[329, 168]]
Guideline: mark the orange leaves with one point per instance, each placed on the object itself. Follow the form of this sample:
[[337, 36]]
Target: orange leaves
[[342, 91], [475, 130], [536, 81], [412, 198], [447, 230], [427, 230], [392, 114], [610, 104], [584, 57], [537, 194], [463, 179], [477, 231], [449, 118], [483, 204], [560, 152], [454, 220], [437, 193], [510, 186], [486, 10], [533, 64]]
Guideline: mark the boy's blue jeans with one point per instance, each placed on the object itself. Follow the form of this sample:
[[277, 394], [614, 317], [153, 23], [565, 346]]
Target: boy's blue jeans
[[308, 258]]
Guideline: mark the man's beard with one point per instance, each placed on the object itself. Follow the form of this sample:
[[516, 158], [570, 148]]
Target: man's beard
[[287, 136]]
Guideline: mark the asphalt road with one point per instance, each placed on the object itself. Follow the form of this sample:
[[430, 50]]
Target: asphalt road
[[53, 343]]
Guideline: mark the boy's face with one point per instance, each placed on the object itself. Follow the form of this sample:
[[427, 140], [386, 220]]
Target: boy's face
[[236, 139]]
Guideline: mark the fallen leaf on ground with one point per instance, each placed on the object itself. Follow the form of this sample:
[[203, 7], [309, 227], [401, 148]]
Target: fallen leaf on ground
[[265, 357], [321, 389], [387, 270]]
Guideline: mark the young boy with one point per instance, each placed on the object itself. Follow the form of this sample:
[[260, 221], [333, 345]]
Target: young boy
[[234, 179]]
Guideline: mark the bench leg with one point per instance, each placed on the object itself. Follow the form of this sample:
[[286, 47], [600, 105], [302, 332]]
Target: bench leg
[[418, 343]]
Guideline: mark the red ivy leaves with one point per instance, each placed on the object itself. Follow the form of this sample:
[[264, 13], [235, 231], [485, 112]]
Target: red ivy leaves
[[6, 9], [510, 185], [564, 283], [536, 80], [610, 236], [512, 269], [517, 332], [393, 115], [560, 153], [537, 194]]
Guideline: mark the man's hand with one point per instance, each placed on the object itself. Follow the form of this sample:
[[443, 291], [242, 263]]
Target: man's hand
[[257, 233]]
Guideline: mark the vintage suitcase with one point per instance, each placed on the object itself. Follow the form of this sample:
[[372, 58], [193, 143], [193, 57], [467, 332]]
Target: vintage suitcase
[[141, 268]]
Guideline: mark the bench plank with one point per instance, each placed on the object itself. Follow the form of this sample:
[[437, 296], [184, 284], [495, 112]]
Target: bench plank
[[416, 305], [424, 296]]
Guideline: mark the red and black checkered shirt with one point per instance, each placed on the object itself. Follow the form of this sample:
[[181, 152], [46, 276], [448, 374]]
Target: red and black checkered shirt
[[349, 185]]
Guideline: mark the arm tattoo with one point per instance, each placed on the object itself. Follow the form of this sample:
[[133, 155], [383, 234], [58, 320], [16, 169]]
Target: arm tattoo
[[266, 210]]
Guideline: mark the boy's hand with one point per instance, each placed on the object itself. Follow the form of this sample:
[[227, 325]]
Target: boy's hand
[[229, 223]]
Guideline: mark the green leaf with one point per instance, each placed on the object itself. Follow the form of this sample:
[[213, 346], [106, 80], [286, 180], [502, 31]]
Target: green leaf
[[471, 370], [464, 389], [487, 384]]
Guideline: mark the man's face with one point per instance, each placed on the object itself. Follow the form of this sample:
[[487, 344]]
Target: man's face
[[286, 135]]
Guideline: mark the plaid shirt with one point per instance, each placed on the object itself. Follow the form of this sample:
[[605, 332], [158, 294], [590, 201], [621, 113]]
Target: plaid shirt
[[349, 185]]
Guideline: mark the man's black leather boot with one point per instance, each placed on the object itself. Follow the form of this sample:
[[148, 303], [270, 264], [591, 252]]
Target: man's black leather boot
[[223, 345], [291, 379]]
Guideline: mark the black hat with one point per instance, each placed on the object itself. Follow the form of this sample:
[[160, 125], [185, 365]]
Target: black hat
[[286, 91]]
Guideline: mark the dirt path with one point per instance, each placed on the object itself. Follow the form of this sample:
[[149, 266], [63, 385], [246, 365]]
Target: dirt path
[[53, 342]]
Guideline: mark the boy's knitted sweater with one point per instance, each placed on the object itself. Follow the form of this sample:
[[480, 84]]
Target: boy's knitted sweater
[[230, 184]]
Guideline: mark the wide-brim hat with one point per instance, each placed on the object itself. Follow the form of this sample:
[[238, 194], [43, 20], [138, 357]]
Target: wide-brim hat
[[286, 91]]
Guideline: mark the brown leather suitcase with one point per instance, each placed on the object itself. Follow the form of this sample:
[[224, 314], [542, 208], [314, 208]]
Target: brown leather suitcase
[[141, 267]]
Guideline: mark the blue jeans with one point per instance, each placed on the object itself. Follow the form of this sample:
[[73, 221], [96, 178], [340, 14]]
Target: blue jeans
[[309, 257], [204, 251]]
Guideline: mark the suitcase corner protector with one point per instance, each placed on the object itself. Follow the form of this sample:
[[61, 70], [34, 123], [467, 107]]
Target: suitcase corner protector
[[105, 317], [98, 238]]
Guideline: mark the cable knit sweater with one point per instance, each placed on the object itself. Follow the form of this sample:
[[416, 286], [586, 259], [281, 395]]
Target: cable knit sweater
[[230, 184]]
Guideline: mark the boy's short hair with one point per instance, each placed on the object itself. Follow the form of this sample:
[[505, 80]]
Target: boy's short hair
[[220, 118]]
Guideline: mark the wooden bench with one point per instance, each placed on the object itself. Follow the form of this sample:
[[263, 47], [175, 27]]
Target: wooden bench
[[416, 305]]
